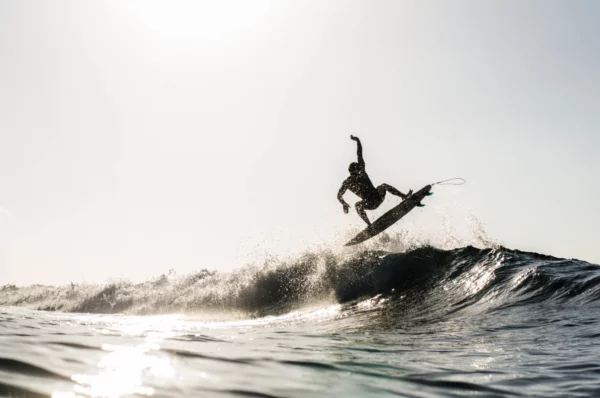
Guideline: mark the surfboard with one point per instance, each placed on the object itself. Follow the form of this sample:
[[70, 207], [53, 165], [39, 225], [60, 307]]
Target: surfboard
[[391, 216]]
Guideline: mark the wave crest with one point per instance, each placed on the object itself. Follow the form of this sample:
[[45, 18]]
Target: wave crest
[[429, 280]]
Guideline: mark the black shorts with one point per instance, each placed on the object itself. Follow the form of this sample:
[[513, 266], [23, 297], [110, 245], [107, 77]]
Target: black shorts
[[372, 202]]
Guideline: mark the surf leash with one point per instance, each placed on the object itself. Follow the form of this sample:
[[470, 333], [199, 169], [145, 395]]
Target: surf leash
[[451, 181]]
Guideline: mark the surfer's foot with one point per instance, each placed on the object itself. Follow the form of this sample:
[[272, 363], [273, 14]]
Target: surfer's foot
[[407, 195]]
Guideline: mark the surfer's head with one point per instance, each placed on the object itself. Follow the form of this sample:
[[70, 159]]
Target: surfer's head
[[354, 168]]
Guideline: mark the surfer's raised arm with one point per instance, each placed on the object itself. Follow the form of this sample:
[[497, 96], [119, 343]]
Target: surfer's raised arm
[[361, 161], [340, 196]]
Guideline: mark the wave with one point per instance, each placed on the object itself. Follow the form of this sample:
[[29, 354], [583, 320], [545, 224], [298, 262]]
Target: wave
[[431, 281]]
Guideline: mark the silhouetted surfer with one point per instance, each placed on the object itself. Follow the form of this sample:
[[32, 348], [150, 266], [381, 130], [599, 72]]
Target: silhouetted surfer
[[360, 184]]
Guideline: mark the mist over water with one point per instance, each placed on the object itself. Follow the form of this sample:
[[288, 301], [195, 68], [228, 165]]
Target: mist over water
[[398, 316], [141, 136], [270, 286]]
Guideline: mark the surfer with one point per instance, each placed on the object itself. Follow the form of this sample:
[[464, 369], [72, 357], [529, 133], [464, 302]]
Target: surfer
[[360, 184]]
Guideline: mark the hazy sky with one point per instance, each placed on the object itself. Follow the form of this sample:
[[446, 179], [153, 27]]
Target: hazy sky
[[139, 136]]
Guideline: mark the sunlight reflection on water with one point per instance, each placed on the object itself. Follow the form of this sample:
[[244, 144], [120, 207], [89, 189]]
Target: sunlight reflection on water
[[128, 369], [124, 368]]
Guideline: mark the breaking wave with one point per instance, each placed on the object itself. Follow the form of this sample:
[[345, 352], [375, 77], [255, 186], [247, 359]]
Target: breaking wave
[[431, 281]]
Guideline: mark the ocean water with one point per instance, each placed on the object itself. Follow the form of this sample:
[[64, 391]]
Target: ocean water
[[422, 322]]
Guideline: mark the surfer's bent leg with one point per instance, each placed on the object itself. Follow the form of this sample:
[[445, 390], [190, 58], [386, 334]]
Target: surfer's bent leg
[[359, 206], [391, 189]]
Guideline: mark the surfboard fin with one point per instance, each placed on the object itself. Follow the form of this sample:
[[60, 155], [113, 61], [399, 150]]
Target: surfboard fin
[[429, 193], [420, 205]]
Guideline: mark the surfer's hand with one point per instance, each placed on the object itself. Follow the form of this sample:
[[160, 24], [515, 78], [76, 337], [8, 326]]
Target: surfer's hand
[[353, 137], [346, 207]]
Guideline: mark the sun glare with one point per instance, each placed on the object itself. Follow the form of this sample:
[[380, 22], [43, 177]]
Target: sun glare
[[124, 369], [201, 19]]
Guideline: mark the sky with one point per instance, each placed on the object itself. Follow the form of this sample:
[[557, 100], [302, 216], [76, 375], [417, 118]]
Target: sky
[[142, 136]]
